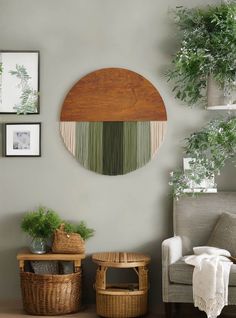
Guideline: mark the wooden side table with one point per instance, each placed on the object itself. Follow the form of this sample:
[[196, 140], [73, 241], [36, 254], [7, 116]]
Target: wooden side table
[[26, 255], [121, 300], [50, 294]]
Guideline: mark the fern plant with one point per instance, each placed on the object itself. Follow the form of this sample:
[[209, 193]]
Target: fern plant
[[208, 47], [40, 223]]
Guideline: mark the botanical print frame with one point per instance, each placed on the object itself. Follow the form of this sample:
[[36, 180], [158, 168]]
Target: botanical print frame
[[22, 140], [19, 82]]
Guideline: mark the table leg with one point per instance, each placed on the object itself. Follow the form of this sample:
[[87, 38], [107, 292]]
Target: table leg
[[22, 265], [77, 265], [101, 277], [143, 278]]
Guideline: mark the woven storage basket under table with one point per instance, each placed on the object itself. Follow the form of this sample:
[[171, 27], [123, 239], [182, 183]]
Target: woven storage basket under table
[[121, 300], [51, 294]]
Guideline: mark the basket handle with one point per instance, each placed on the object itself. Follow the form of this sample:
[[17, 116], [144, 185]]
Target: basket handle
[[62, 227]]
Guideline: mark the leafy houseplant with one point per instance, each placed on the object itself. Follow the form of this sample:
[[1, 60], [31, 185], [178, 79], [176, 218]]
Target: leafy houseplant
[[210, 147], [40, 225], [208, 48]]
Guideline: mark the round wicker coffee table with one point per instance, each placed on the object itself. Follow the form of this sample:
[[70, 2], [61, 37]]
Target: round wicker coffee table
[[121, 300]]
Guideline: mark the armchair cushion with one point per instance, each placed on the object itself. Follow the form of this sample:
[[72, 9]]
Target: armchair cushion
[[181, 273], [224, 233]]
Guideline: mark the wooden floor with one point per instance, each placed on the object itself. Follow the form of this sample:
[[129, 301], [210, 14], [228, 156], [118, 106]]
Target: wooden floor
[[13, 309]]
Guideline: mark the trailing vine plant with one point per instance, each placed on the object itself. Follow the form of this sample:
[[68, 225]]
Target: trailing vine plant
[[29, 96], [210, 148], [208, 47]]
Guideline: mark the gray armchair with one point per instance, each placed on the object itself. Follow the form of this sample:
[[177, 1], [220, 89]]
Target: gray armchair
[[194, 219]]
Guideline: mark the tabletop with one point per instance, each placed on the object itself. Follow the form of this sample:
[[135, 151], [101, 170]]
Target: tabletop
[[121, 259]]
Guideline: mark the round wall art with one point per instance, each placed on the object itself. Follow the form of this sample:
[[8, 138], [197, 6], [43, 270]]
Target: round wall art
[[113, 121]]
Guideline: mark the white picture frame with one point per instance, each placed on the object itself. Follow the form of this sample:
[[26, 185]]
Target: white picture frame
[[22, 139]]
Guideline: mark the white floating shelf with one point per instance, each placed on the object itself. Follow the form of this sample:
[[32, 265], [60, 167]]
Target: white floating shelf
[[213, 190], [222, 107]]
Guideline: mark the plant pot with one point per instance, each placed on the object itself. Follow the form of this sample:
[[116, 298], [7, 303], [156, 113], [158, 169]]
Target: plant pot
[[218, 98], [206, 185], [38, 246]]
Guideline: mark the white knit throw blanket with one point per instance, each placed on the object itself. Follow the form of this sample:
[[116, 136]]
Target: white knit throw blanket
[[210, 279]]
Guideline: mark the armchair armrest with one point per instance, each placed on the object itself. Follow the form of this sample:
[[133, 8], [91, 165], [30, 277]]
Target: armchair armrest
[[171, 252]]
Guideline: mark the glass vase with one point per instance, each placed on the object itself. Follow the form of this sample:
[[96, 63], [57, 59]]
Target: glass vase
[[38, 245]]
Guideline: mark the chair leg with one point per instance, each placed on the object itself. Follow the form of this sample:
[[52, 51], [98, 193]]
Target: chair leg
[[168, 310], [177, 308]]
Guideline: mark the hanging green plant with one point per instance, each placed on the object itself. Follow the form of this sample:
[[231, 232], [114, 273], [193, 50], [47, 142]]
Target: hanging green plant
[[210, 148], [208, 47]]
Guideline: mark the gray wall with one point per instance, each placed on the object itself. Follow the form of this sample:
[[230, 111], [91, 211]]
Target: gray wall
[[131, 212]]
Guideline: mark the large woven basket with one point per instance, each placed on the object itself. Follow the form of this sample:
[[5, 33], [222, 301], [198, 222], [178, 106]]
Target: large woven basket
[[51, 294], [120, 303], [71, 243]]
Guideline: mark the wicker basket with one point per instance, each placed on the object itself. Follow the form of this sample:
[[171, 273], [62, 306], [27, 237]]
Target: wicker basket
[[117, 302], [51, 294], [71, 243]]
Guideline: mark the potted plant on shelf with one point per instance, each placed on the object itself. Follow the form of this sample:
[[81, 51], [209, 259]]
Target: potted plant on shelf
[[204, 67], [40, 226], [210, 149]]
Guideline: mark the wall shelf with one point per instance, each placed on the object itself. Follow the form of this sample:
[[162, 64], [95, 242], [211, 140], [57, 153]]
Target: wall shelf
[[213, 190], [222, 107]]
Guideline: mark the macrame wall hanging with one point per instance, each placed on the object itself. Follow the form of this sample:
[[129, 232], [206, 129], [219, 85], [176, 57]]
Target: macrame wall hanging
[[113, 121]]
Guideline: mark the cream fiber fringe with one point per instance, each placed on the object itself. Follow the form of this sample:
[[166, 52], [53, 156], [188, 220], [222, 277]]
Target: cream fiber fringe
[[158, 129], [67, 129]]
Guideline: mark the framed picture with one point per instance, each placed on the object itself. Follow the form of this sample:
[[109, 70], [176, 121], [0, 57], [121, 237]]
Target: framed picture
[[19, 82], [206, 185], [23, 140]]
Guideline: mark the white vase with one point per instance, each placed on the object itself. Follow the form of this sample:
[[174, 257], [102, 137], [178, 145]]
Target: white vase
[[218, 98]]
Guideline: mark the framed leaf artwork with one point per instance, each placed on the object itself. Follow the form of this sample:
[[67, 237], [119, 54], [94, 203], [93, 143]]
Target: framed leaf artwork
[[19, 82]]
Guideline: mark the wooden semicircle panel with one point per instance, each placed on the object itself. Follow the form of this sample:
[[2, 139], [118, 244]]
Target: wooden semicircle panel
[[113, 94]]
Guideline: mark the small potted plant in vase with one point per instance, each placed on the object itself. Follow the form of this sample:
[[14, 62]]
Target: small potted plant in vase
[[40, 226]]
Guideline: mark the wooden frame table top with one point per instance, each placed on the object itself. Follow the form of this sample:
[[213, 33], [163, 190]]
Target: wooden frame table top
[[26, 255], [121, 259]]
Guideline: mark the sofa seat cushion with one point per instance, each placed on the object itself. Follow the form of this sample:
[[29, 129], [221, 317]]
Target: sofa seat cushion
[[181, 273]]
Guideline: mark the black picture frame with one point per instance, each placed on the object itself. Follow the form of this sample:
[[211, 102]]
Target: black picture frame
[[38, 82], [9, 135]]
